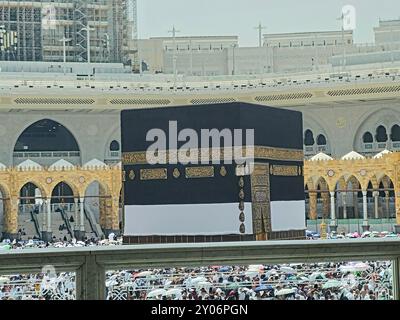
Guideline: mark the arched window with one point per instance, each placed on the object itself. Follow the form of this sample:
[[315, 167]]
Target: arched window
[[381, 135], [367, 137], [46, 135], [321, 140], [395, 133], [114, 145], [29, 194], [309, 138], [62, 193]]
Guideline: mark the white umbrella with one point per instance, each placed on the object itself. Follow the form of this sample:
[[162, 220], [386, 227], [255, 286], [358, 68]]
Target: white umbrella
[[315, 275], [4, 279], [167, 284], [332, 284], [111, 283], [174, 292], [197, 280], [256, 267], [288, 270], [283, 292], [156, 293], [251, 274], [144, 274], [362, 266], [303, 279], [128, 284], [354, 267], [203, 284]]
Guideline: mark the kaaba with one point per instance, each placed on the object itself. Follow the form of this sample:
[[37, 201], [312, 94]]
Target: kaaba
[[209, 173]]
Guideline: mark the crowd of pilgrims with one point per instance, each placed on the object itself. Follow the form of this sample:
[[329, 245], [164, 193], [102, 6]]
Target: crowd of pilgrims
[[312, 281]]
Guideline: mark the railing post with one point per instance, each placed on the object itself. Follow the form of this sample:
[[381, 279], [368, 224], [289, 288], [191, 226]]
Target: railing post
[[396, 278], [90, 280]]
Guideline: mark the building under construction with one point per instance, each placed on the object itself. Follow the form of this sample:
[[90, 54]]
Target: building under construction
[[43, 30]]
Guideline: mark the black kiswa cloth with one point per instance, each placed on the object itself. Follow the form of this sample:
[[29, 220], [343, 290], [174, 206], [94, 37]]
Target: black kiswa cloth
[[273, 127], [199, 199]]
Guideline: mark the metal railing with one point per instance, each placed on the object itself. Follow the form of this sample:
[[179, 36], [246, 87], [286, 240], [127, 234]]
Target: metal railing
[[66, 221], [35, 220], [92, 222], [91, 263], [46, 154]]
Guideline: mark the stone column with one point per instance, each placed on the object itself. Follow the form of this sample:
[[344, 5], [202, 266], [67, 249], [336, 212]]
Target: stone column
[[325, 204], [48, 226], [313, 206], [102, 212], [47, 234], [365, 225], [82, 214], [387, 206], [333, 222], [344, 194], [397, 204], [79, 231], [10, 213], [355, 204], [112, 216], [76, 224], [376, 204]]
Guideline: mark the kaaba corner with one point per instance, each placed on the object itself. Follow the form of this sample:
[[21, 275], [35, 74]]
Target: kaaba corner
[[209, 173]]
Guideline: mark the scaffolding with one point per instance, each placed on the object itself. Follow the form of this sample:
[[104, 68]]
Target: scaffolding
[[32, 30], [20, 25], [132, 44], [80, 36]]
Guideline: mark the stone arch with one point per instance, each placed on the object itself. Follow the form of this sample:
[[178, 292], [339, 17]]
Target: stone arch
[[317, 198], [385, 180], [4, 199], [9, 216], [324, 196], [96, 198], [340, 183], [26, 138], [309, 184], [355, 182], [38, 184], [348, 192], [386, 206], [322, 184], [61, 186], [28, 194]]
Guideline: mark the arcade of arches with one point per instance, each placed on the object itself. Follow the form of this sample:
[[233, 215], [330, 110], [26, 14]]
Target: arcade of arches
[[47, 187], [342, 186], [345, 186]]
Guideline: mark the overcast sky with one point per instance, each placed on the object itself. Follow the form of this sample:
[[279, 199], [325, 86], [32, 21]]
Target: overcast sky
[[239, 17]]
